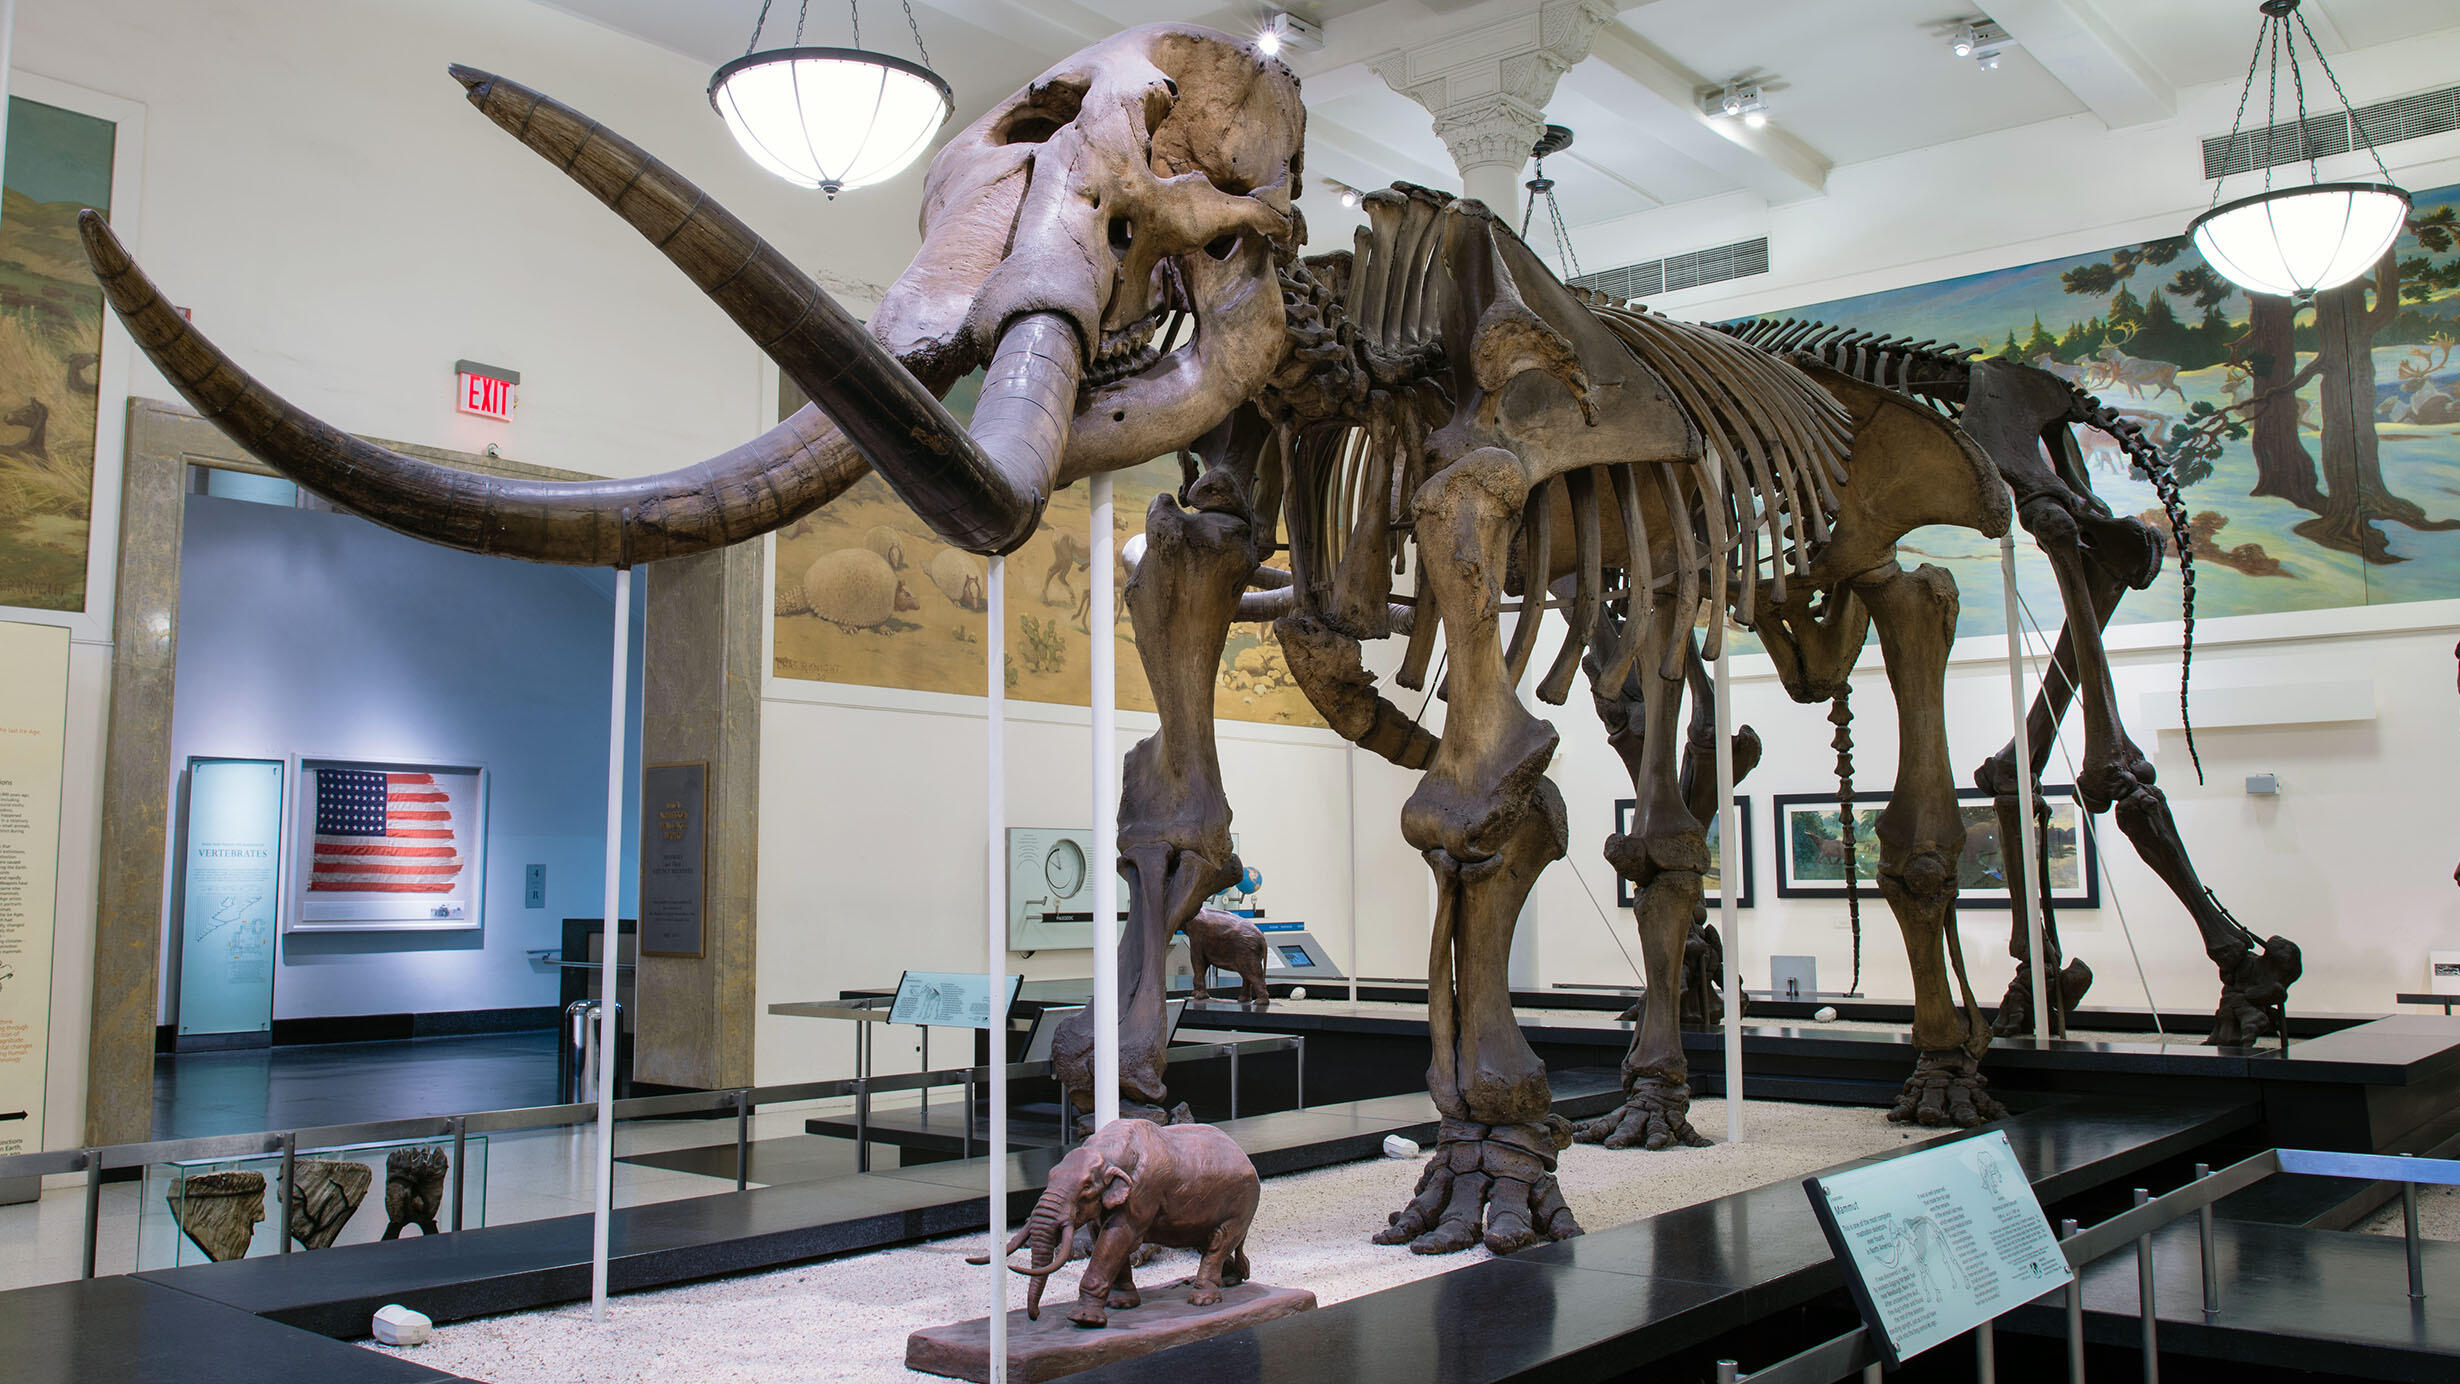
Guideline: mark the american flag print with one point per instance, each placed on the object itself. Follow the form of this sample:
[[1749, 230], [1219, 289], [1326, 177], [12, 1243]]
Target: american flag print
[[383, 833]]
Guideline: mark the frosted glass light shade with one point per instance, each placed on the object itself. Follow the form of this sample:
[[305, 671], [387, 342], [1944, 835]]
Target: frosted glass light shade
[[830, 118], [2298, 241]]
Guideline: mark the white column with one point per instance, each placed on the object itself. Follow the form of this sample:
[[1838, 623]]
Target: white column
[[1487, 86], [2016, 700], [1729, 831], [995, 945], [611, 945], [1105, 852]]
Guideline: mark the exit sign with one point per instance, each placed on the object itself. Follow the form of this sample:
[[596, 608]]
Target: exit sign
[[486, 390]]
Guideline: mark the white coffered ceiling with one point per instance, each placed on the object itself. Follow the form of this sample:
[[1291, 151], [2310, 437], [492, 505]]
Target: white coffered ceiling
[[1847, 80]]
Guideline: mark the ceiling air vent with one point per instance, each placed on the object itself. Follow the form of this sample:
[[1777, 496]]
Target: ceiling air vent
[[1677, 272], [2385, 122]]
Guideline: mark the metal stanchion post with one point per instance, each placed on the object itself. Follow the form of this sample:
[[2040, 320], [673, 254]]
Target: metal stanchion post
[[290, 1180], [1234, 1079], [2148, 1306], [1985, 1354], [1872, 1374], [2408, 1221], [862, 1125], [743, 1137], [1727, 1372], [93, 1206], [2203, 1235], [461, 1144], [969, 1110], [2075, 1312], [1302, 1072]]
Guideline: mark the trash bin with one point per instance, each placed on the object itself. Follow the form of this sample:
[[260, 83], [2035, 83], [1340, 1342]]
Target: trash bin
[[579, 1065]]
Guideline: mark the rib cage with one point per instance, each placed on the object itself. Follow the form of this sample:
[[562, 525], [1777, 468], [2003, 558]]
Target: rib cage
[[1939, 376]]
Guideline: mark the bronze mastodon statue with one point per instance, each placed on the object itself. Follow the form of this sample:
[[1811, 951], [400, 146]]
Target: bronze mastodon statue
[[1117, 246]]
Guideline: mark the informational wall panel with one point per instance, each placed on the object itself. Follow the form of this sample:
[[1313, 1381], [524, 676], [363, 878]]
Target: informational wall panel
[[674, 848], [33, 728], [229, 889]]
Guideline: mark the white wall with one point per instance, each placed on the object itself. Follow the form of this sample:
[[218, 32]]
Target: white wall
[[322, 636]]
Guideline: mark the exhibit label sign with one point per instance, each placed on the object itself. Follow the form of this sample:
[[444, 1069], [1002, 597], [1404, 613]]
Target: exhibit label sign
[[33, 731], [674, 853], [947, 999], [1938, 1241], [230, 881]]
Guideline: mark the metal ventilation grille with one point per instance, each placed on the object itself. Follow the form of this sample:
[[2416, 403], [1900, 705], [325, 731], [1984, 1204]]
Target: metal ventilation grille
[[1677, 272], [2385, 122]]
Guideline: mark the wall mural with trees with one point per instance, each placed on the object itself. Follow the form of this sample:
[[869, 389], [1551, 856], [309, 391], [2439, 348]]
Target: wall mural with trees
[[2319, 444]]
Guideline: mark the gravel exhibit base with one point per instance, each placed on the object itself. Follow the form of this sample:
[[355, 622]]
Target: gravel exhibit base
[[848, 1319]]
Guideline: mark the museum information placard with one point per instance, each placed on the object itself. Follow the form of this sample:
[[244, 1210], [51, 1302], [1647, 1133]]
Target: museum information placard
[[1938, 1241], [674, 850], [947, 999], [230, 884], [33, 731]]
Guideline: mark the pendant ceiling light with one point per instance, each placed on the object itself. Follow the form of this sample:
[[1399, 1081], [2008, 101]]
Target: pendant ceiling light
[[831, 118], [2294, 242]]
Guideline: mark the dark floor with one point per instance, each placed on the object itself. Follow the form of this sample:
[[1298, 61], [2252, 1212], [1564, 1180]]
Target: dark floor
[[201, 1093]]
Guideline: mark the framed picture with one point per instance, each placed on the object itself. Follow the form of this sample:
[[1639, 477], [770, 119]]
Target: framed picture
[[1811, 854], [1626, 896], [388, 846]]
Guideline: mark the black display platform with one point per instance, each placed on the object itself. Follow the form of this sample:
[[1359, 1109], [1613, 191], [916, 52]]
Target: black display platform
[[2330, 1302], [1609, 1302], [124, 1330]]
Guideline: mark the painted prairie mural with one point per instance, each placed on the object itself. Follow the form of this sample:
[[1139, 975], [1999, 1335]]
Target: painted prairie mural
[[866, 595], [2319, 446], [56, 163]]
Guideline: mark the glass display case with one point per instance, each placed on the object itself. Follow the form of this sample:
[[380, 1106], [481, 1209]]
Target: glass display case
[[211, 1209]]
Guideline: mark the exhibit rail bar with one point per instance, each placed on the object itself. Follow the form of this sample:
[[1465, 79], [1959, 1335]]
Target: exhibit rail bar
[[1727, 901], [995, 949], [2036, 869], [610, 943], [1102, 627]]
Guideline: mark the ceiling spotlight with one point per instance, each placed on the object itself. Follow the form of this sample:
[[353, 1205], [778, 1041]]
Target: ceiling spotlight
[[1983, 41], [1737, 99], [1283, 32]]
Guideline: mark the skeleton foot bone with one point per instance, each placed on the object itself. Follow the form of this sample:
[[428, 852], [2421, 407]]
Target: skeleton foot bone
[[1655, 1114], [1946, 1088], [1490, 1182], [2254, 986]]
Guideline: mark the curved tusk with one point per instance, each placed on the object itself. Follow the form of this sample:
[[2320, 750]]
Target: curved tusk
[[984, 492], [774, 479]]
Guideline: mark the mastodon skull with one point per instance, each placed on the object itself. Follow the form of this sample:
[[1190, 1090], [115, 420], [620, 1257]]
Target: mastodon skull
[[1147, 176]]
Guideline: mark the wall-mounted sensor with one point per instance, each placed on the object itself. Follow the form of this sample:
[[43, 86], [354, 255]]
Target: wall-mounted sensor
[[2263, 785]]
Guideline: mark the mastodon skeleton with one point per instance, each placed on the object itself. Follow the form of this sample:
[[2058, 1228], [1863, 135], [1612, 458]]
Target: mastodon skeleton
[[1116, 246]]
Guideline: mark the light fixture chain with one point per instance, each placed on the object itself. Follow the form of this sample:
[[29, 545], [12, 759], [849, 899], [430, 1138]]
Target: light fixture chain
[[1563, 235], [917, 28], [2297, 78], [2237, 123], [757, 25], [2357, 127], [801, 17], [856, 6], [2272, 98]]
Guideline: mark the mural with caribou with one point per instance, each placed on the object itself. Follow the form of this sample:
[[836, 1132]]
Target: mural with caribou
[[2319, 445]]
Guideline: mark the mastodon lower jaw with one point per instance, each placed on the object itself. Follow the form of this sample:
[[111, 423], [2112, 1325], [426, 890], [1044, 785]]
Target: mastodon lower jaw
[[982, 492], [770, 481]]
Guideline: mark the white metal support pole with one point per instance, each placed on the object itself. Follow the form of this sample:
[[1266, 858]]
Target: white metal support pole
[[610, 946], [1349, 772], [995, 947], [2025, 827], [1105, 851], [1727, 899]]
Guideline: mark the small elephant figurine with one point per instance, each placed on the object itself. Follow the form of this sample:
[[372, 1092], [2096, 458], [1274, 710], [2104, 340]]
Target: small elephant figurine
[[1186, 1186], [1215, 938]]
